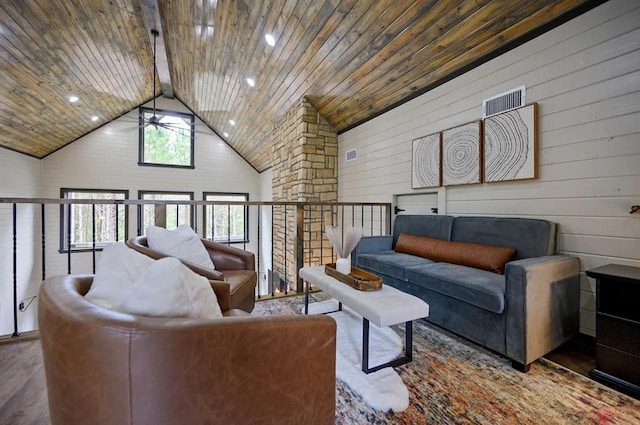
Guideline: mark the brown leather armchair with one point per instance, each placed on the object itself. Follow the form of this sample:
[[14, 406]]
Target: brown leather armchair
[[105, 367], [234, 266]]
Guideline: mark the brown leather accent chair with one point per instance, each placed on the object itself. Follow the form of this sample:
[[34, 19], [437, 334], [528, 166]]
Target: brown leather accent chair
[[234, 266], [103, 367]]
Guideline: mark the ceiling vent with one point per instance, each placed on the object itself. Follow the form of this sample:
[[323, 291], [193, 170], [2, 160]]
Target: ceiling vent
[[503, 102], [351, 155]]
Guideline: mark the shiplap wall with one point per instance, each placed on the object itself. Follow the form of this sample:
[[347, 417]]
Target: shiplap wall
[[19, 178], [108, 159], [585, 77]]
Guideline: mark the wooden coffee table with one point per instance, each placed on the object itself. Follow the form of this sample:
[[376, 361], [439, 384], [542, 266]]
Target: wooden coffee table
[[385, 307]]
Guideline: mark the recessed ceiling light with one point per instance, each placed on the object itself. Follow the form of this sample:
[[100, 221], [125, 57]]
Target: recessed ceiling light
[[251, 82], [94, 118], [226, 134], [270, 40], [232, 122], [73, 99]]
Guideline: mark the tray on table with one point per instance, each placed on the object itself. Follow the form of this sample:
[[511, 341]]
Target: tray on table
[[357, 279]]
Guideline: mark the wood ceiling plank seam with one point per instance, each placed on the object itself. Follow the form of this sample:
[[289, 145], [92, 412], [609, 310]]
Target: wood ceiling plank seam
[[475, 34], [280, 51], [424, 31], [200, 76], [251, 61], [317, 17], [391, 23], [511, 32], [227, 52], [281, 9], [318, 65], [84, 53], [212, 64], [344, 12], [228, 18], [121, 66], [247, 47], [27, 77], [134, 41]]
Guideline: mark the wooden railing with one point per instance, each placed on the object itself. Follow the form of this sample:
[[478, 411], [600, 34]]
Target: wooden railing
[[36, 233]]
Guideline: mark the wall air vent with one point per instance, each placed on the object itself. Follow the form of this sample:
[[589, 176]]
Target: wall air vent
[[351, 155], [503, 102]]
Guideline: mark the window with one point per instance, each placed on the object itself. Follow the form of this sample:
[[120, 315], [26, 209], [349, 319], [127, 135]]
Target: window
[[78, 221], [226, 223], [166, 138], [170, 215]]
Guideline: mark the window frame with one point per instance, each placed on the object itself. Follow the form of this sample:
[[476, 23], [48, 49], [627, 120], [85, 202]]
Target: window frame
[[141, 162], [64, 220], [227, 239], [141, 224]]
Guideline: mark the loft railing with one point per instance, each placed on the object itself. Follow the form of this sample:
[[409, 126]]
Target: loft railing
[[38, 235]]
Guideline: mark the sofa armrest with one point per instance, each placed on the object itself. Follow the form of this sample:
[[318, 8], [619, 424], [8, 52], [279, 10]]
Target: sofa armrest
[[542, 305]]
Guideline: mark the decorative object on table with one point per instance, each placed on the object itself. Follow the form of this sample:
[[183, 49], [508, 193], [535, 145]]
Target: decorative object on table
[[461, 148], [344, 245], [510, 145], [357, 279], [426, 170]]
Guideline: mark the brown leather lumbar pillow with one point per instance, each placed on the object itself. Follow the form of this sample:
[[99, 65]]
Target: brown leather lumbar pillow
[[485, 257]]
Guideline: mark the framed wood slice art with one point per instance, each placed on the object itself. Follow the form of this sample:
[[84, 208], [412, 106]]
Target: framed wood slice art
[[510, 145], [425, 162], [461, 147]]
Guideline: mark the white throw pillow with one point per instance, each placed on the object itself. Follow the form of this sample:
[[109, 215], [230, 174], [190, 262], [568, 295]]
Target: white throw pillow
[[170, 289], [181, 243], [117, 269]]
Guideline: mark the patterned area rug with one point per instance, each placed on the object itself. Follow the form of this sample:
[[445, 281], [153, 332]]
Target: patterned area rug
[[453, 381]]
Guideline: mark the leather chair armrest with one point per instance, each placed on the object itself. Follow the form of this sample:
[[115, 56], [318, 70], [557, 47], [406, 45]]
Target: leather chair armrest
[[223, 294], [226, 257]]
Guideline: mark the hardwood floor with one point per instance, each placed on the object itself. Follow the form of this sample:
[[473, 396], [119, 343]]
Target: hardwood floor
[[23, 396]]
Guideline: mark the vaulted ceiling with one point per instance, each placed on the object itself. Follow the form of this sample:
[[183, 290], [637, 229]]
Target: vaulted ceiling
[[353, 59]]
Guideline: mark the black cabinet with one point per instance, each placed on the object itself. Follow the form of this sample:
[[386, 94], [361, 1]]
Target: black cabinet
[[617, 326]]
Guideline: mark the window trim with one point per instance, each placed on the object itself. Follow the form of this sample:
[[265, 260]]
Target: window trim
[[141, 162], [192, 217], [227, 241], [63, 249]]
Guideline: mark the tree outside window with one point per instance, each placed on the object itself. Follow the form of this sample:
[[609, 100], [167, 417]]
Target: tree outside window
[[78, 221], [166, 138], [169, 216], [226, 223]]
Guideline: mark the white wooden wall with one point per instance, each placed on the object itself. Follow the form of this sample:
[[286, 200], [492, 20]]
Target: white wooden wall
[[585, 77], [19, 177]]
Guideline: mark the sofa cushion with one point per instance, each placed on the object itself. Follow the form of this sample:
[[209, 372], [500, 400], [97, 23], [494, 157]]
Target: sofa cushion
[[485, 257], [432, 226], [390, 263], [181, 243], [478, 287], [530, 237]]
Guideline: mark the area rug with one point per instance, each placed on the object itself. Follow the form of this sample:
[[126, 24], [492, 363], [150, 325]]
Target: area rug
[[452, 381], [383, 389]]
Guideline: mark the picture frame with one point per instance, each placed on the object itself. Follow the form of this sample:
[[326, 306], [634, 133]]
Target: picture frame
[[426, 169], [461, 154], [510, 145]]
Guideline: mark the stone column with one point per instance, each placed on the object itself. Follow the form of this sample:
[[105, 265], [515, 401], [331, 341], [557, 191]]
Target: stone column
[[304, 170]]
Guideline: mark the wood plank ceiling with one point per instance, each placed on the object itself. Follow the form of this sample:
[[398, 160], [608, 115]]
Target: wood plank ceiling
[[352, 59]]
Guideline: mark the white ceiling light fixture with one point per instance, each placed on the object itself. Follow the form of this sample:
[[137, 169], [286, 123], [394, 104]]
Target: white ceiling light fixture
[[226, 134], [232, 122], [73, 99], [94, 118], [270, 40], [251, 82]]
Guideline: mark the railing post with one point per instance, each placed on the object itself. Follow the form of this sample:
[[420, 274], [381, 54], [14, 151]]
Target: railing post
[[160, 215], [299, 248], [15, 273]]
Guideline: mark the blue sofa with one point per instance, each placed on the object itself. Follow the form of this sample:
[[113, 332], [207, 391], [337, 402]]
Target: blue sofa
[[522, 314]]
